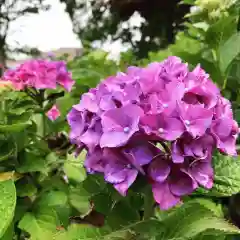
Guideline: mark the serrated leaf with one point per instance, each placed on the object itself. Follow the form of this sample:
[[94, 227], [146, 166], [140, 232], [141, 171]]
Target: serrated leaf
[[7, 204], [215, 208], [40, 225], [87, 232], [229, 51], [226, 178], [193, 219]]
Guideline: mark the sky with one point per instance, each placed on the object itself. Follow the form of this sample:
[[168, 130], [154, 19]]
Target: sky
[[46, 31], [52, 29]]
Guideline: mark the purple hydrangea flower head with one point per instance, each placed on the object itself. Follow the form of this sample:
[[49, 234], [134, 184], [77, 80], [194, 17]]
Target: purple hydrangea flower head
[[162, 122]]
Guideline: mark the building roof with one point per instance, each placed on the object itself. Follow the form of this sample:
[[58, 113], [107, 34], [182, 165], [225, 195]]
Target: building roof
[[70, 52]]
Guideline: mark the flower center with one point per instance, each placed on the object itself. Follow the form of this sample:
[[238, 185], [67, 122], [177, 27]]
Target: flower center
[[126, 129], [160, 130], [187, 122], [165, 105], [128, 166]]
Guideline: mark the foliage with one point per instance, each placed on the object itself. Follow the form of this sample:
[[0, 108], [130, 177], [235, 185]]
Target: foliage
[[45, 191]]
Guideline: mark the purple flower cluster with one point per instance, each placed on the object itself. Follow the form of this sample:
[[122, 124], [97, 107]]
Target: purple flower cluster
[[162, 122], [40, 74]]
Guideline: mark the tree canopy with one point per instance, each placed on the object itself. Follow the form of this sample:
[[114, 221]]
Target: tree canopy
[[103, 19]]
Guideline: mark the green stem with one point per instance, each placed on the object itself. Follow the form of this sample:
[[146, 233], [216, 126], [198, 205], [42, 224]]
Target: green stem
[[41, 104], [43, 123], [148, 204], [3, 111]]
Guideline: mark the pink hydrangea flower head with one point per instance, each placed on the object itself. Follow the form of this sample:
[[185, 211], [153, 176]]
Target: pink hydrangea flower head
[[40, 74], [54, 113], [161, 121]]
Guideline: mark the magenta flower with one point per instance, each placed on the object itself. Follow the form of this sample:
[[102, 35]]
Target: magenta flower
[[162, 127], [202, 172], [162, 122], [187, 146], [119, 171], [196, 118], [165, 101], [225, 130], [53, 113], [40, 74], [119, 125], [86, 128], [169, 189], [199, 90]]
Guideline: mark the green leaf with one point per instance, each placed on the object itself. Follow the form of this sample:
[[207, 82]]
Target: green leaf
[[41, 224], [193, 219], [94, 184], [216, 209], [229, 51], [122, 214], [74, 169], [9, 175], [26, 188], [220, 31], [58, 200], [7, 204], [79, 199], [30, 162], [18, 127], [53, 198], [8, 148], [8, 235], [23, 204], [141, 228], [191, 2], [210, 237], [226, 178], [122, 222], [102, 203]]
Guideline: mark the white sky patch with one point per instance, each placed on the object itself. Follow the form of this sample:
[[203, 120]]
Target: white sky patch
[[46, 31], [52, 29]]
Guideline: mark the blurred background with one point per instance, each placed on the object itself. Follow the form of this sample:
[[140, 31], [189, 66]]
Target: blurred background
[[37, 27], [100, 37]]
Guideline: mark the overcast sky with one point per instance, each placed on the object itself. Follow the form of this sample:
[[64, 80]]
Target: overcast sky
[[46, 30], [52, 29]]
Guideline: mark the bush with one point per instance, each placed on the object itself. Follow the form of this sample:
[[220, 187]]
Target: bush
[[46, 191]]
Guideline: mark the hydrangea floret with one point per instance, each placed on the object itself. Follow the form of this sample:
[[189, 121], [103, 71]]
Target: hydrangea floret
[[40, 74], [124, 120]]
